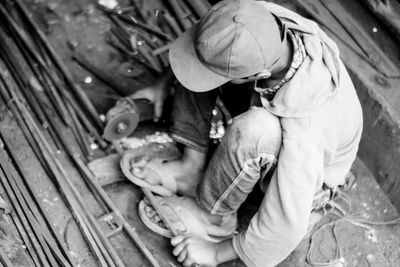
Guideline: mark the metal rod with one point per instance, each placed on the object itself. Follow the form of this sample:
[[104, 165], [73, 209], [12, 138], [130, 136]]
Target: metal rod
[[102, 75], [35, 206], [42, 148], [172, 23], [35, 226], [14, 63], [153, 30], [73, 196], [106, 242], [154, 62], [199, 6], [33, 97], [82, 117], [9, 54], [23, 234], [88, 176], [26, 47], [10, 183], [24, 220], [180, 14], [78, 91], [79, 133], [161, 50]]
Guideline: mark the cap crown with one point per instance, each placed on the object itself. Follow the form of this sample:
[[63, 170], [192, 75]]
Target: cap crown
[[238, 38]]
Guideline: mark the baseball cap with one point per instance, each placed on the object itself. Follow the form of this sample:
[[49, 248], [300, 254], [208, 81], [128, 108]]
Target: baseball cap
[[234, 39]]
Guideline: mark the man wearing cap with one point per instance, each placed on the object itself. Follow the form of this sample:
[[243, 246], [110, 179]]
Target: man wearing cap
[[301, 135]]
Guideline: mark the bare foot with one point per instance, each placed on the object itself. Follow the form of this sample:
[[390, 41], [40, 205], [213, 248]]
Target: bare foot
[[187, 171], [187, 176], [214, 225]]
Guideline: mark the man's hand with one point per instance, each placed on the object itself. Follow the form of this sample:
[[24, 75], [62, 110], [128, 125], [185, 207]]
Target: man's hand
[[194, 251], [156, 93]]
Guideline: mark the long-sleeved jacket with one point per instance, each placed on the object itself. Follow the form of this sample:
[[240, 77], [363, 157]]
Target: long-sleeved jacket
[[321, 121]]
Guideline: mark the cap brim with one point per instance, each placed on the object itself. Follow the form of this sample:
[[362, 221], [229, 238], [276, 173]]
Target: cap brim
[[188, 69]]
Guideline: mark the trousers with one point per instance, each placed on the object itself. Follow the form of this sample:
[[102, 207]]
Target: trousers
[[247, 152]]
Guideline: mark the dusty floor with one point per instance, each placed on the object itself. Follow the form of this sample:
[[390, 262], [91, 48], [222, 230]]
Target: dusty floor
[[77, 23]]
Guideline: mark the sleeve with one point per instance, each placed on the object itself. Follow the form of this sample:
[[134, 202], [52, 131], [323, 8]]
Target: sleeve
[[282, 219]]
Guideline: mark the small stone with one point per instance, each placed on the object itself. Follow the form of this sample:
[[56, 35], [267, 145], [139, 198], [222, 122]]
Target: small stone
[[370, 258], [111, 4], [67, 18], [93, 146], [91, 9], [52, 6], [374, 29], [72, 44], [371, 235], [88, 80]]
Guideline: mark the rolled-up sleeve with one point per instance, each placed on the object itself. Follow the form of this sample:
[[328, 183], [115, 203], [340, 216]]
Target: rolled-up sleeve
[[282, 219]]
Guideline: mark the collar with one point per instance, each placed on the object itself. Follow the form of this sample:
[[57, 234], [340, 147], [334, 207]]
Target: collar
[[299, 54]]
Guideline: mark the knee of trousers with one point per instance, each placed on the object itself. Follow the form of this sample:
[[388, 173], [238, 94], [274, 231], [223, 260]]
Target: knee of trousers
[[257, 130]]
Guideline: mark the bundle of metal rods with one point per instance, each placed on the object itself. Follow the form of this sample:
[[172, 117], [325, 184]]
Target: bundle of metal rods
[[39, 91], [42, 240], [146, 36], [44, 80]]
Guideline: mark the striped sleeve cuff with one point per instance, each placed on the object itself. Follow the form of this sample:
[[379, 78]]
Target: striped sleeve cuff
[[189, 143]]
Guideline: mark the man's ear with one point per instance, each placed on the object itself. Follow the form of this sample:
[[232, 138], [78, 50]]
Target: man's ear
[[264, 74]]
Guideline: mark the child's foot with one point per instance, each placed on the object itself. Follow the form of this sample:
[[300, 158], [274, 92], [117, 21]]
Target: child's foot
[[186, 171], [213, 225]]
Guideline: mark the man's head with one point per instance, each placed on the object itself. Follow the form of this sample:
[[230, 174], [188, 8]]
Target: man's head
[[236, 41]]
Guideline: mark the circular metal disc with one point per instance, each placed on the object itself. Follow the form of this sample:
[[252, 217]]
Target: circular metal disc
[[120, 126]]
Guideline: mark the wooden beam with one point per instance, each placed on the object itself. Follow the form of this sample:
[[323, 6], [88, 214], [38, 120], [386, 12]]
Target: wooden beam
[[388, 11], [376, 56]]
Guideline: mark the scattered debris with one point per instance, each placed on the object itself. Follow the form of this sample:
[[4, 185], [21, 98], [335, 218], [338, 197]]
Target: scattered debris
[[370, 258], [88, 79], [111, 4], [371, 235], [133, 142]]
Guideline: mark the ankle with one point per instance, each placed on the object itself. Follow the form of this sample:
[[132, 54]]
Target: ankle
[[193, 159], [221, 225]]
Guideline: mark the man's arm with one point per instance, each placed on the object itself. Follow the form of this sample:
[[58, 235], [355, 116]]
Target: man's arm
[[282, 219]]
